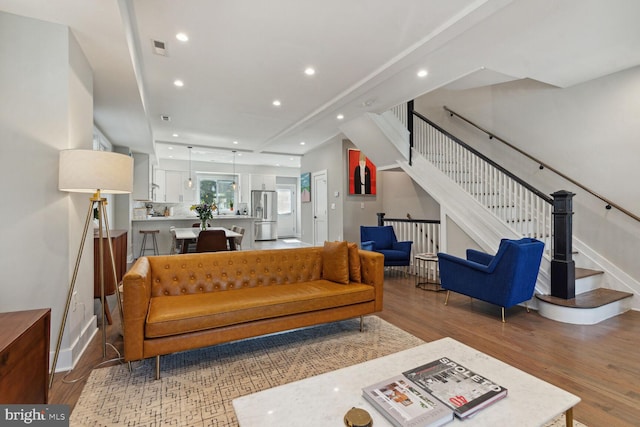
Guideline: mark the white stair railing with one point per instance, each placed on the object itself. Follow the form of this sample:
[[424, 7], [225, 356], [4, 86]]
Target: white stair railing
[[524, 209]]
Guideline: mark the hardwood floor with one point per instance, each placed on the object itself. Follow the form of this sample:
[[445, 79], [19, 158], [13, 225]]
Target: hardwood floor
[[599, 363]]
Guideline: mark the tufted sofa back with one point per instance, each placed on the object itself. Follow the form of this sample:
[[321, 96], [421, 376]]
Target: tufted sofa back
[[221, 271]]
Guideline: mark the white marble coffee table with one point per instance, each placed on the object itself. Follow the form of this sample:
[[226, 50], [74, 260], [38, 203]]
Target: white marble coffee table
[[324, 399]]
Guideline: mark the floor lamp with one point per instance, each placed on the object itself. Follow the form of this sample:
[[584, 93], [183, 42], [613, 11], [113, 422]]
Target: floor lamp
[[97, 173]]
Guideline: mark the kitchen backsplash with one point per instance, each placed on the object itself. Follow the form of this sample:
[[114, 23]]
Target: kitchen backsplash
[[176, 209]]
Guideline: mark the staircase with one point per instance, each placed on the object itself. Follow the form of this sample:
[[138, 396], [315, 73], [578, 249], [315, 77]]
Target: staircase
[[489, 203]]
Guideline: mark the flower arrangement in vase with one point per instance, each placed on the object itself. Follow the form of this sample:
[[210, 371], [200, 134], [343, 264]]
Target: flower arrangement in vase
[[205, 212]]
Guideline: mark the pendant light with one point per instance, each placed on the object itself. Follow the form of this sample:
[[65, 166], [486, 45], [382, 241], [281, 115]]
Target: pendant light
[[190, 181], [233, 184]]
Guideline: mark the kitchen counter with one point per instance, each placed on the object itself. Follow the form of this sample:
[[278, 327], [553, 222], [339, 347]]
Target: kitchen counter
[[163, 224], [194, 218]]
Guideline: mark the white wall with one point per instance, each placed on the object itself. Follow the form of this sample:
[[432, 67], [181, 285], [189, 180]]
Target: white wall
[[402, 196], [326, 157], [589, 132], [46, 106], [397, 195]]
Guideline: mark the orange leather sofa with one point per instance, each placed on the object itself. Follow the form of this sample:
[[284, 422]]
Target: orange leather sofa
[[174, 303]]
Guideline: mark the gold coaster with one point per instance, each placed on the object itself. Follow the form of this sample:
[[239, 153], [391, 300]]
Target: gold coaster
[[357, 417]]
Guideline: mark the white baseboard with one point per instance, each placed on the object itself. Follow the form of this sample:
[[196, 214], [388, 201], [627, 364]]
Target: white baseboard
[[69, 356]]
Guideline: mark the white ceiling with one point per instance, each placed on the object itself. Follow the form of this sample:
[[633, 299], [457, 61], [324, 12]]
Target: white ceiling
[[243, 54]]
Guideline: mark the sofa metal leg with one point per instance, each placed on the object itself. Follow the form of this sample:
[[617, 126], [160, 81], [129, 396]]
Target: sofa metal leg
[[361, 323], [158, 367], [527, 307], [446, 300], [503, 321], [130, 367]]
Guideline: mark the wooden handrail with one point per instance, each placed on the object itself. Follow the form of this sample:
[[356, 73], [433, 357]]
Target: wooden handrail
[[542, 165]]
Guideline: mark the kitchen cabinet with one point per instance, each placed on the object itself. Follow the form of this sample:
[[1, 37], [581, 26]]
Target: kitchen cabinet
[[159, 186], [263, 182], [24, 357], [141, 177], [176, 190]]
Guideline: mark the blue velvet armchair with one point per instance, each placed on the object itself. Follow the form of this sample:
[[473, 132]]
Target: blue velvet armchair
[[383, 239], [506, 279]]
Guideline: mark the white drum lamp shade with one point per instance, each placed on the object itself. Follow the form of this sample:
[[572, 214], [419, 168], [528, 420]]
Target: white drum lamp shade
[[88, 171]]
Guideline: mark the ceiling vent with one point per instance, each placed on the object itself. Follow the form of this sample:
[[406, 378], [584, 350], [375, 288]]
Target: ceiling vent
[[159, 48], [165, 118]]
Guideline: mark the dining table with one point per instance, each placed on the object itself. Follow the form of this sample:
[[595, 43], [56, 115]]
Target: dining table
[[185, 235]]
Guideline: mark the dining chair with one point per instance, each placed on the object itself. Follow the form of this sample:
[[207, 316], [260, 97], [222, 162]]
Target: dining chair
[[238, 240], [211, 241], [175, 247]]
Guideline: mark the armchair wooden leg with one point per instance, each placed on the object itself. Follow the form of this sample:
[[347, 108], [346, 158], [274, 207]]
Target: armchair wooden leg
[[361, 323], [446, 300], [503, 321]]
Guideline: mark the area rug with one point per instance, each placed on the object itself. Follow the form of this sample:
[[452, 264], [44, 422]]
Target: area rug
[[197, 387]]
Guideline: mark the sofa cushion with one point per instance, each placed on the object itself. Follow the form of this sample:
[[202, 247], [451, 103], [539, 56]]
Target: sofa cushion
[[174, 315], [355, 274], [335, 262]]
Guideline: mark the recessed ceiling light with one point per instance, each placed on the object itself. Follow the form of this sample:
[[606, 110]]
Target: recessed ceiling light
[[340, 116], [309, 71], [239, 154], [182, 37], [178, 83], [169, 148], [277, 103], [302, 143], [423, 73], [175, 135], [235, 142]]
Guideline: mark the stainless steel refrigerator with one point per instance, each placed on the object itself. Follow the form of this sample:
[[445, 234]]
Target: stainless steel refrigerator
[[264, 207]]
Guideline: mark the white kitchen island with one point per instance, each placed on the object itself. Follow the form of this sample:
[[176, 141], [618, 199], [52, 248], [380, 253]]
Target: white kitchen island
[[163, 223]]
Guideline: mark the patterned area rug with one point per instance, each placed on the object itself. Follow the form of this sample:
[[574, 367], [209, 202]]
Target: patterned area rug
[[197, 387]]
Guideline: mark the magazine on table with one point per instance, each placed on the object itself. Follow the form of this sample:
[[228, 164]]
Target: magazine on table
[[461, 389], [406, 405]]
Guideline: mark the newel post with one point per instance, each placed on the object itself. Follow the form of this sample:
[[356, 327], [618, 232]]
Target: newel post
[[563, 268]]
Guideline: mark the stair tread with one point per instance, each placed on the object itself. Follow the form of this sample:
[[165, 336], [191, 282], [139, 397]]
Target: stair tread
[[581, 273], [591, 299]]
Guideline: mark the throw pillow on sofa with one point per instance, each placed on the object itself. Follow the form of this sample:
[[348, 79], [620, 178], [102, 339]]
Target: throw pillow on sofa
[[355, 274], [335, 262]]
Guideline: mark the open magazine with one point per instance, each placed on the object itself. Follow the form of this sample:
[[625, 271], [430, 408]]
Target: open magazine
[[406, 405]]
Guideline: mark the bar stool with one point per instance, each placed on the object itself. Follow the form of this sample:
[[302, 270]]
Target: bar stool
[[143, 246]]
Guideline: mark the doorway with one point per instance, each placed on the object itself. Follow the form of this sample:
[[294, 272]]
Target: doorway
[[319, 199], [287, 203]]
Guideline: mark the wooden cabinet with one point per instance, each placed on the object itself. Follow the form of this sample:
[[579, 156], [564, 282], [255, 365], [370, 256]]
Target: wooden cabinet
[[119, 243], [24, 356]]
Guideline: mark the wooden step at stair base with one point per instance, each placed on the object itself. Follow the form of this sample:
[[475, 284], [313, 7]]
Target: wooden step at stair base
[[592, 299], [587, 308]]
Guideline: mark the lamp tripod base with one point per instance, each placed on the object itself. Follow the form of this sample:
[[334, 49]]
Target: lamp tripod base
[[102, 219]]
